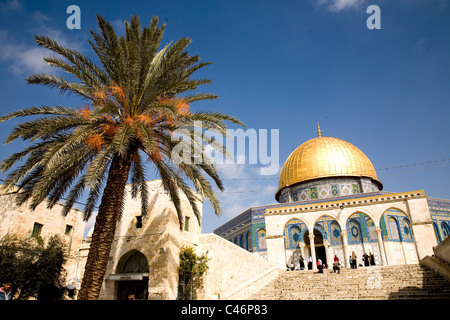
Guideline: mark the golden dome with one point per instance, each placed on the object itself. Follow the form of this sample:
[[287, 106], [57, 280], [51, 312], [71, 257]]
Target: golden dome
[[324, 157]]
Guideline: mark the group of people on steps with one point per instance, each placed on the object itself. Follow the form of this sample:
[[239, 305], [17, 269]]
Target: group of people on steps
[[368, 260]]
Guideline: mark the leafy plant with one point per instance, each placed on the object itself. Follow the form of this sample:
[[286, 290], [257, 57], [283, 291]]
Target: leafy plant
[[35, 269], [191, 269]]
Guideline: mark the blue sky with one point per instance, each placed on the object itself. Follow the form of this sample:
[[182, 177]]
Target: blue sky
[[280, 65]]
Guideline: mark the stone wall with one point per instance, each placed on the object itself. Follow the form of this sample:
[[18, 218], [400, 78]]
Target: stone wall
[[442, 250], [230, 268], [439, 262], [21, 219]]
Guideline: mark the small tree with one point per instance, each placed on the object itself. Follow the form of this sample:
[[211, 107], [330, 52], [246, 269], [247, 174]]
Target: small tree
[[190, 272], [34, 269]]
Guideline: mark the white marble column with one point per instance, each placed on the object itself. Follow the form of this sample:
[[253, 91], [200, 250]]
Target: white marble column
[[381, 247], [345, 242], [302, 252], [313, 251], [326, 243]]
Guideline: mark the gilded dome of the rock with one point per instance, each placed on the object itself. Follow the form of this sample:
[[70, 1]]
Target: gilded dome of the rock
[[325, 157]]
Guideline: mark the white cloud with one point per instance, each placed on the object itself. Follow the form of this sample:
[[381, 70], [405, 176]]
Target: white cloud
[[40, 17], [27, 58], [119, 26], [22, 58], [339, 5], [232, 171], [13, 5], [244, 188]]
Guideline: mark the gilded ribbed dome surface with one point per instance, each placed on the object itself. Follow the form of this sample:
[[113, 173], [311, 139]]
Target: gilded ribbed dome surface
[[325, 157]]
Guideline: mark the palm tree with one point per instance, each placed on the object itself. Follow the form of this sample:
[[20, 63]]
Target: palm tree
[[133, 107]]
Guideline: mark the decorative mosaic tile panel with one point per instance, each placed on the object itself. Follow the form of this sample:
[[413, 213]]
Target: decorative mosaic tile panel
[[334, 191], [345, 189], [313, 193], [304, 195], [324, 192]]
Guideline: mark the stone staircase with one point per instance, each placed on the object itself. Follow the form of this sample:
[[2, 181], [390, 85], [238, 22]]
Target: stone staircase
[[366, 283]]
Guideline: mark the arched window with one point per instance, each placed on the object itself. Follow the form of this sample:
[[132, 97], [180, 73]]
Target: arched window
[[406, 230], [361, 228], [262, 245], [371, 230], [249, 241], [135, 263], [354, 231], [436, 232], [295, 237], [335, 231], [293, 233], [445, 229], [393, 228]]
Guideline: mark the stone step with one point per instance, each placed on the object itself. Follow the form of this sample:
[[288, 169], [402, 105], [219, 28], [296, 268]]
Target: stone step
[[390, 282]]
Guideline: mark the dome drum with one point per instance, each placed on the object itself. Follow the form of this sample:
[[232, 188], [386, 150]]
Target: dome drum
[[325, 188]]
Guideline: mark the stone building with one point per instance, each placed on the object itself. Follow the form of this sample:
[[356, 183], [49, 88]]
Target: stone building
[[331, 204], [44, 222], [144, 255]]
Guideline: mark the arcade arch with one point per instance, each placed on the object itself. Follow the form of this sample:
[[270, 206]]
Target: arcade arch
[[294, 246], [398, 237], [362, 238]]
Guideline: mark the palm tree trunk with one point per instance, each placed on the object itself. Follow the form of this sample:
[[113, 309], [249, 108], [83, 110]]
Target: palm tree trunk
[[105, 227]]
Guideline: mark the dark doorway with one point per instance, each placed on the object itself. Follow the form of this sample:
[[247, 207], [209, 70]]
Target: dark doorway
[[320, 254], [133, 265], [320, 249], [132, 290], [318, 244]]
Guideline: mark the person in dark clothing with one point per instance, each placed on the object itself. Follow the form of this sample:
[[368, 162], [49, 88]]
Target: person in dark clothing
[[366, 259], [5, 291], [371, 259], [354, 260]]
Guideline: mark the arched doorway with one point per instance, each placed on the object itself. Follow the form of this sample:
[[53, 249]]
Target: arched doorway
[[319, 248], [331, 240], [132, 276]]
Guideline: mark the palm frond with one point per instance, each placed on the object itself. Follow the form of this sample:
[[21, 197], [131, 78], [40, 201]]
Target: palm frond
[[139, 184], [42, 110]]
